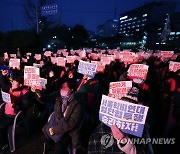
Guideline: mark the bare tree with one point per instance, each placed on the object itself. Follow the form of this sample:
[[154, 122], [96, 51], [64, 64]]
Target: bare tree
[[34, 19]]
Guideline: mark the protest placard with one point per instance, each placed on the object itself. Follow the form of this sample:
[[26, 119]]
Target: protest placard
[[54, 60], [119, 89], [6, 56], [87, 68], [138, 72], [13, 55], [14, 63], [31, 76], [43, 82], [100, 66], [61, 61], [105, 60], [37, 56], [128, 117], [174, 66], [6, 97], [166, 55], [47, 53], [36, 65], [70, 59]]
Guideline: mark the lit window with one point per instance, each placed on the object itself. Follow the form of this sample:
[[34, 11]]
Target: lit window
[[137, 29], [134, 18], [133, 26], [143, 24], [177, 33], [172, 33], [137, 25], [144, 15]]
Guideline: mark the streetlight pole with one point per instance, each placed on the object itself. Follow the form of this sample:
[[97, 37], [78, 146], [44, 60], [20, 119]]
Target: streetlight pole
[[37, 24]]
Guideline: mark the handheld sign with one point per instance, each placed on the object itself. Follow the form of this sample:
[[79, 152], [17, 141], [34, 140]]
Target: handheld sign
[[6, 56], [14, 63], [119, 89], [37, 56], [174, 66], [6, 97], [138, 72], [86, 68], [128, 117], [31, 76], [43, 83]]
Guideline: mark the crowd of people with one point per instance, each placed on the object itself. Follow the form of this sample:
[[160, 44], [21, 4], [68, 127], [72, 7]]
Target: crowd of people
[[70, 103]]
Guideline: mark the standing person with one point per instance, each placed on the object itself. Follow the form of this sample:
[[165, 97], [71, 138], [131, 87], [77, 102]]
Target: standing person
[[63, 126], [20, 100]]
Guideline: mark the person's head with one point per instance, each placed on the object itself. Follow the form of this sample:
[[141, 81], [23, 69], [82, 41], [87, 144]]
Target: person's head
[[4, 72], [17, 82], [67, 87]]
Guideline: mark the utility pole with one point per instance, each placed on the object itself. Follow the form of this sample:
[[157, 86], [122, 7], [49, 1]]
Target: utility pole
[[37, 23]]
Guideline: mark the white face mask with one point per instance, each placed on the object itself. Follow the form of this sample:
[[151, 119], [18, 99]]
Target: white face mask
[[64, 92]]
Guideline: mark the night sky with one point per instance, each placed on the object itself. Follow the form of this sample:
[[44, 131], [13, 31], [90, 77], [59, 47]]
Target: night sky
[[89, 13]]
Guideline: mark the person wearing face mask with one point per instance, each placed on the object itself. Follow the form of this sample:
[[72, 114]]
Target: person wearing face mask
[[20, 100], [62, 128]]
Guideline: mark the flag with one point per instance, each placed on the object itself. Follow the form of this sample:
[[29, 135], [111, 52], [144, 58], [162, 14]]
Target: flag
[[166, 30]]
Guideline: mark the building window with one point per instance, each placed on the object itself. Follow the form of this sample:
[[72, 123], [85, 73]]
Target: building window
[[134, 18], [143, 24], [144, 15], [177, 33], [137, 29], [137, 25], [172, 33]]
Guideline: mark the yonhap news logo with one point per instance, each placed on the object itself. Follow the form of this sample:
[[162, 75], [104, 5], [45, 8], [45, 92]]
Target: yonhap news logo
[[149, 140]]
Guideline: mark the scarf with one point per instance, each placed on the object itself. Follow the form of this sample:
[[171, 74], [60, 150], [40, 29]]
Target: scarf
[[66, 100]]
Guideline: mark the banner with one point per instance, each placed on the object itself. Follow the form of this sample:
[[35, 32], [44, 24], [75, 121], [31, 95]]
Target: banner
[[166, 55], [128, 117], [86, 68], [119, 89], [14, 63], [6, 97], [138, 72], [174, 66]]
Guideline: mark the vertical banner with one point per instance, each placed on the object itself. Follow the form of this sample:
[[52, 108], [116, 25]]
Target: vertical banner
[[119, 89], [128, 117], [86, 68]]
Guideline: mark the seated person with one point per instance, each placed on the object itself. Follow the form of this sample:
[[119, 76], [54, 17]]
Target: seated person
[[20, 100], [62, 127]]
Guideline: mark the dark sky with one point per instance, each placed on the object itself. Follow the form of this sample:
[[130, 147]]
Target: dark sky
[[89, 13]]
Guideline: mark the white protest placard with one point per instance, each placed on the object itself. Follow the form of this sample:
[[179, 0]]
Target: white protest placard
[[54, 60], [166, 54], [87, 68], [47, 53], [138, 72], [36, 65], [31, 76], [128, 57], [28, 54], [14, 63], [61, 61], [6, 56], [6, 97], [128, 117], [100, 66], [105, 60], [70, 59], [37, 56], [13, 55], [174, 66], [119, 89], [43, 83]]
